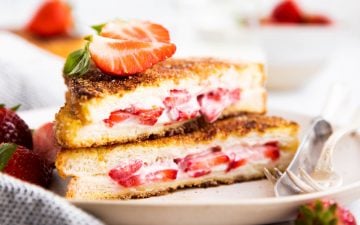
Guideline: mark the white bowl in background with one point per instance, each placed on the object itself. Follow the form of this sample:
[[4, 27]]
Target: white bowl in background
[[295, 54]]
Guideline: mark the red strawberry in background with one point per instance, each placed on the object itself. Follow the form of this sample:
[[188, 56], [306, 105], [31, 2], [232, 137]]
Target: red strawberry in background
[[13, 129], [45, 144], [287, 12], [316, 19], [324, 212], [24, 164], [53, 18]]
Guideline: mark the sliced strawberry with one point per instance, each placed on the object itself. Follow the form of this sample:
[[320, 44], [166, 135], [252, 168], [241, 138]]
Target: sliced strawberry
[[213, 103], [135, 30], [117, 117], [157, 176], [287, 12], [125, 170], [179, 107], [177, 97], [149, 116], [144, 116], [52, 18], [45, 143], [26, 165], [125, 57], [132, 181], [236, 164], [272, 151], [161, 175], [200, 164]]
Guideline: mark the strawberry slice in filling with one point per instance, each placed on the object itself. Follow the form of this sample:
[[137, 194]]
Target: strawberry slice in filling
[[179, 106], [144, 116], [215, 159], [213, 103]]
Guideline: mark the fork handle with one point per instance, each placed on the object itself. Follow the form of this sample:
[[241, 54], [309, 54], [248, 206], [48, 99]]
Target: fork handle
[[325, 159]]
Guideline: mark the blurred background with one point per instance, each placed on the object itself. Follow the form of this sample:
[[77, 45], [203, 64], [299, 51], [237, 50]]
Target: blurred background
[[306, 45]]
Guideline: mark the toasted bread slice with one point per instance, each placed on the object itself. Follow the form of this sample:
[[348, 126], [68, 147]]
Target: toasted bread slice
[[226, 151], [102, 109]]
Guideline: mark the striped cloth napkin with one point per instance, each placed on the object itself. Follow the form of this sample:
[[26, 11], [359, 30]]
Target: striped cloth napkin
[[22, 203]]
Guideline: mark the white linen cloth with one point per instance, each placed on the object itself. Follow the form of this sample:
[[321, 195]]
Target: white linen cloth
[[28, 75], [26, 204]]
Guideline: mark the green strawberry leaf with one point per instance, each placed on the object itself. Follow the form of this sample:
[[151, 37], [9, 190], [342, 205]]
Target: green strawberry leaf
[[15, 108], [78, 62], [98, 27], [6, 151]]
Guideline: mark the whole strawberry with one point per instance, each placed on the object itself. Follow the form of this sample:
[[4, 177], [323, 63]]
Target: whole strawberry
[[13, 129], [324, 212], [24, 164], [287, 12], [53, 18]]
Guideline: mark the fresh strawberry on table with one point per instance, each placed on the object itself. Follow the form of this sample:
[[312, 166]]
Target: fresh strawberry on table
[[13, 129], [324, 212], [24, 164], [53, 18], [45, 144]]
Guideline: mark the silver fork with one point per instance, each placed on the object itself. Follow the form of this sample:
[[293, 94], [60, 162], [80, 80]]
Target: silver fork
[[314, 140], [324, 176]]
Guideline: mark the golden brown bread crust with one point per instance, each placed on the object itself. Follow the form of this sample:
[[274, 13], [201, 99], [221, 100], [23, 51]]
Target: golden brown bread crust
[[95, 83], [203, 132]]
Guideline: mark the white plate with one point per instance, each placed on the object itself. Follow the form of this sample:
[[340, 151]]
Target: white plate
[[242, 203]]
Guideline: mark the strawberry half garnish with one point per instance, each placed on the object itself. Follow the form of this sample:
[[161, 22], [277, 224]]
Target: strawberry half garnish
[[122, 49], [122, 57], [134, 30]]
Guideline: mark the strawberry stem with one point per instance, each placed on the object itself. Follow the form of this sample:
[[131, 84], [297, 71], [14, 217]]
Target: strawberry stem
[[15, 108], [98, 27], [6, 151]]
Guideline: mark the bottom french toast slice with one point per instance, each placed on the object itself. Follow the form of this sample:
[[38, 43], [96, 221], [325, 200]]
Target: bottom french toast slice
[[227, 151]]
